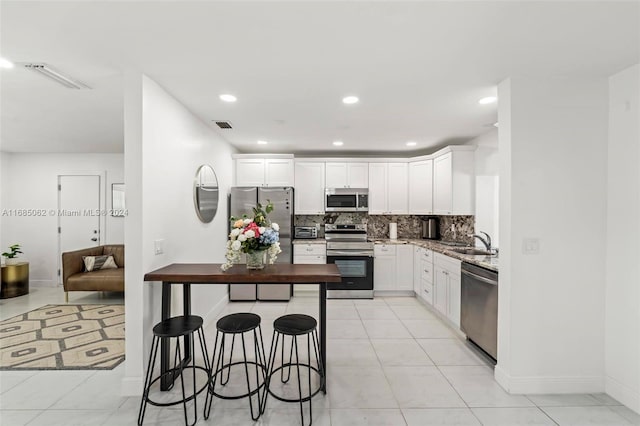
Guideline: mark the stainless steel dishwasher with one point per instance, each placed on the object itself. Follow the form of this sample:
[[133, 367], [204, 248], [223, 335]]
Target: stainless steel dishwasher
[[479, 307]]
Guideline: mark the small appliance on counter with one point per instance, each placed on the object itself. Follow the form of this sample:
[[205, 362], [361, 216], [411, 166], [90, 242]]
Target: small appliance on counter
[[305, 232], [431, 228]]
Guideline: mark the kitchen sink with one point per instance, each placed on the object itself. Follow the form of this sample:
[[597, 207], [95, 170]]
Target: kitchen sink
[[473, 251]]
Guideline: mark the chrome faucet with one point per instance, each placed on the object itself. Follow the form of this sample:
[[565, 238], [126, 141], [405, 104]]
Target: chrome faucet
[[486, 242]]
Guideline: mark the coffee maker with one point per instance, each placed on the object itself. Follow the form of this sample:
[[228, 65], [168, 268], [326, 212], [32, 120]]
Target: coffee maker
[[431, 228]]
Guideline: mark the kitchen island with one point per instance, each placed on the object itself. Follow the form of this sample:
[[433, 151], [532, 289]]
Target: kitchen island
[[186, 274]]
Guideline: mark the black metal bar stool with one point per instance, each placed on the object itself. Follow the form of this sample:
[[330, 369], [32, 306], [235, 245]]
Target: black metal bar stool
[[237, 324], [295, 326], [176, 327]]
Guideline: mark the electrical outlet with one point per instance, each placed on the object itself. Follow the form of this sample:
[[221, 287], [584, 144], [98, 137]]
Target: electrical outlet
[[530, 246], [158, 247]]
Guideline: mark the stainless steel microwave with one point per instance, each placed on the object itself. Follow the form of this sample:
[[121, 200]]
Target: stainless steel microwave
[[346, 200]]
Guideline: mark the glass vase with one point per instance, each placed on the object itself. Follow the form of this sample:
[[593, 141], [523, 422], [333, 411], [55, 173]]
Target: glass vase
[[256, 259]]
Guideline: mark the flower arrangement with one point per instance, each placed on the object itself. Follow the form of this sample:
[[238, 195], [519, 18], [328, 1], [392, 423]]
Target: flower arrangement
[[252, 236]]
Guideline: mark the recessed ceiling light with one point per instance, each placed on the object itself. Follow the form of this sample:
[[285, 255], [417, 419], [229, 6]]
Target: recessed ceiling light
[[350, 100], [495, 124], [411, 143], [228, 98], [262, 142], [338, 143], [487, 100], [4, 63]]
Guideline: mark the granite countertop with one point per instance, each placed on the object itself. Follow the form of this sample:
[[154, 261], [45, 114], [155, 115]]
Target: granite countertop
[[489, 262], [310, 241]]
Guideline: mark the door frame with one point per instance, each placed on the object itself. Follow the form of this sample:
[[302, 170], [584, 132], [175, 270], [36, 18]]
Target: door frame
[[102, 200]]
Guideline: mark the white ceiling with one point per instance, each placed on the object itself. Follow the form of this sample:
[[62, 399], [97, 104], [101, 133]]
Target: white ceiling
[[418, 67]]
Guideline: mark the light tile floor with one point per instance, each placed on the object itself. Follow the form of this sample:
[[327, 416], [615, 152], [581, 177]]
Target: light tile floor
[[391, 362]]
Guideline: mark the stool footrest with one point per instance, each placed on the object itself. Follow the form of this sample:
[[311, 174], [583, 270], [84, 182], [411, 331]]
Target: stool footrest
[[175, 371]]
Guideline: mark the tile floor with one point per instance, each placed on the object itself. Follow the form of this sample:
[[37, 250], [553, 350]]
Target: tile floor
[[391, 362]]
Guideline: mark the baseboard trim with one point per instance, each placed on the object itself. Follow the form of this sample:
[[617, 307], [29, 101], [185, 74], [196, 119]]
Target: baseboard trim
[[42, 283], [131, 386], [537, 384], [214, 312], [623, 393]]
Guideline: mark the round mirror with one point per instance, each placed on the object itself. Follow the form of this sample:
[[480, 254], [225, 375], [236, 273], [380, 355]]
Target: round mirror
[[205, 193]]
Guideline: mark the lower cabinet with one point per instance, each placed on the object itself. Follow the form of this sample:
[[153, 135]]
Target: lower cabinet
[[423, 274], [393, 267], [309, 254], [447, 291], [384, 267]]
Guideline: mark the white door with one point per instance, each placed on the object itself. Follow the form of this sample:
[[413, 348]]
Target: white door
[[309, 188], [421, 187], [336, 175], [397, 188], [278, 172], [358, 175], [249, 172], [442, 185], [378, 188], [79, 212], [404, 267]]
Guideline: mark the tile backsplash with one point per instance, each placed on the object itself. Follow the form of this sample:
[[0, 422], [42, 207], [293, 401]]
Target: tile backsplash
[[409, 226]]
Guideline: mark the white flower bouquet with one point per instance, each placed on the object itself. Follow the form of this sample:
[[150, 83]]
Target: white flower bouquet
[[253, 236]]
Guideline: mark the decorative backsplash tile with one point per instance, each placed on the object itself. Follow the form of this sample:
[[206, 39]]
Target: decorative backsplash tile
[[409, 226]]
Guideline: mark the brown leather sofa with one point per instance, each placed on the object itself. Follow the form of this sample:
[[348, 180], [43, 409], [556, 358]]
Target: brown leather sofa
[[75, 278]]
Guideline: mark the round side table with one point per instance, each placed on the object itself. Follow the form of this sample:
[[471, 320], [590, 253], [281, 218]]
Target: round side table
[[15, 280]]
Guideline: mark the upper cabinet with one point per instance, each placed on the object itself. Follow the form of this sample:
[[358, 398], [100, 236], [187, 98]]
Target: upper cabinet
[[388, 188], [454, 181], [309, 187], [421, 187], [254, 171], [347, 175]]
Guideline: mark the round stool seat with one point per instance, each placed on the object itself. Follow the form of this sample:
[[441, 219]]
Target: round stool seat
[[238, 323], [178, 326], [295, 324]]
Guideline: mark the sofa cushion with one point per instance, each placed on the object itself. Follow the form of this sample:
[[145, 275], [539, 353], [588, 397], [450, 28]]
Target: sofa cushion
[[117, 251], [94, 263], [102, 280]]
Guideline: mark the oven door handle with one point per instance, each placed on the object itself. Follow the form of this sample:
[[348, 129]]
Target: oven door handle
[[348, 253]]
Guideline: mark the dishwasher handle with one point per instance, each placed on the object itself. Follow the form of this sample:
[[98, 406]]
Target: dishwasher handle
[[480, 278]]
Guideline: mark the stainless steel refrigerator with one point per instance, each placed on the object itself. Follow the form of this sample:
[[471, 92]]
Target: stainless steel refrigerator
[[241, 201]]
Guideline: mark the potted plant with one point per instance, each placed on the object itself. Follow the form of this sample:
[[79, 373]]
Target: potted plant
[[12, 254]]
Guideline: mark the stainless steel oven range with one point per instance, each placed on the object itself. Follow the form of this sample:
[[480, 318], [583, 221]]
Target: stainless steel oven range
[[348, 248]]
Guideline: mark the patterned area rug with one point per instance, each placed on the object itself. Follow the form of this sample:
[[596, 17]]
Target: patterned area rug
[[64, 337]]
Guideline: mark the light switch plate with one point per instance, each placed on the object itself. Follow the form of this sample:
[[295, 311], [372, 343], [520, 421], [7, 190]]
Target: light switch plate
[[531, 246], [158, 247]]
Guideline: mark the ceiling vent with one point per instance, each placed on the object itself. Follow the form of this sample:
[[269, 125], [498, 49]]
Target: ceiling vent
[[224, 124], [57, 76]]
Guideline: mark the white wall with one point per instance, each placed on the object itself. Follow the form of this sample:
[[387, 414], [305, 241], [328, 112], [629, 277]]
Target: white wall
[[487, 185], [31, 182], [623, 234], [164, 148], [553, 142]]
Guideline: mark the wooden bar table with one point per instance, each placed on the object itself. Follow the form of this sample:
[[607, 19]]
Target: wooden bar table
[[186, 274]]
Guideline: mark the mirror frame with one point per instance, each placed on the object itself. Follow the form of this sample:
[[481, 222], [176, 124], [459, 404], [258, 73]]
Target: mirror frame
[[120, 209], [197, 186]]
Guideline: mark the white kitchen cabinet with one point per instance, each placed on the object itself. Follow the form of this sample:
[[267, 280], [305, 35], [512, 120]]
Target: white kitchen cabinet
[[454, 181], [384, 267], [347, 175], [309, 254], [388, 188], [309, 187], [447, 290], [404, 267], [417, 263], [393, 267], [426, 276], [264, 172], [421, 187]]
